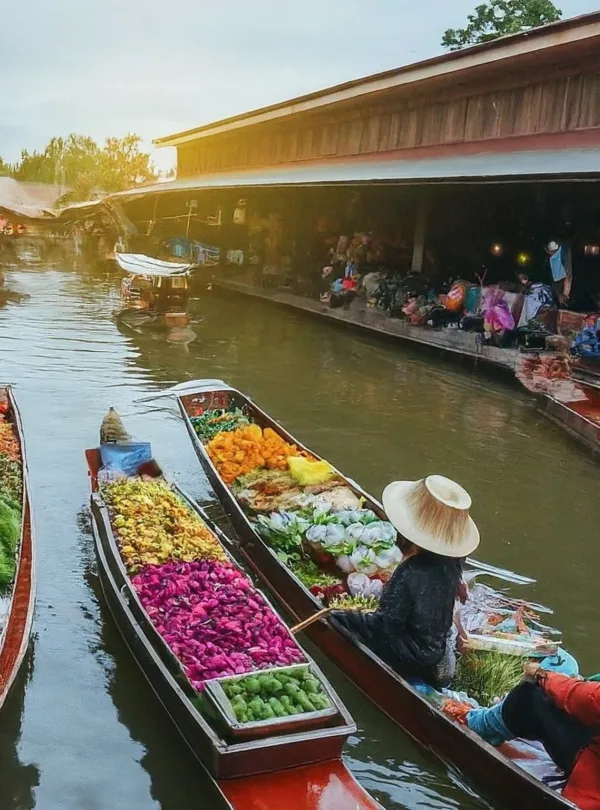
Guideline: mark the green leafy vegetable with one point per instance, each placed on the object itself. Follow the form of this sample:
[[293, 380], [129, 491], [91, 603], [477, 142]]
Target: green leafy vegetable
[[487, 675]]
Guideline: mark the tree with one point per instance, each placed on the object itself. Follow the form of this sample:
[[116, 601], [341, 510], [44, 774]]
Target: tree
[[4, 168], [497, 18], [78, 162]]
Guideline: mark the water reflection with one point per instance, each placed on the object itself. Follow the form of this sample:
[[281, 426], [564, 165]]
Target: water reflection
[[19, 778], [90, 723]]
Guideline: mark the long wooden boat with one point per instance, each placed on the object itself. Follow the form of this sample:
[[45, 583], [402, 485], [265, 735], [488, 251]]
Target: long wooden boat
[[493, 770], [300, 764], [16, 621], [581, 419]]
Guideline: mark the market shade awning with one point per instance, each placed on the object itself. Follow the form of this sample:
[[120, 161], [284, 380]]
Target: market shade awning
[[548, 164], [139, 265]]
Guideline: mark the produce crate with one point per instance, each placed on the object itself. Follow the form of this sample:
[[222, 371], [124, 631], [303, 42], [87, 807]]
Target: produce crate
[[274, 726]]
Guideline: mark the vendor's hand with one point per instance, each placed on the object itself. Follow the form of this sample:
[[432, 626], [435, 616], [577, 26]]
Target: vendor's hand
[[462, 591], [531, 670], [461, 643]]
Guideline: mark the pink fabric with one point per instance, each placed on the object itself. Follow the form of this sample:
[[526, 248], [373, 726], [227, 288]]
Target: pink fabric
[[496, 314]]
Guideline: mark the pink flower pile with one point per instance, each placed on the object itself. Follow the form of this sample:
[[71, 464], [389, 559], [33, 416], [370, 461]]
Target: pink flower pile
[[213, 620]]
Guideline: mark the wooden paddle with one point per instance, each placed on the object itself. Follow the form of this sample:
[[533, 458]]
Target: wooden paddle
[[307, 622]]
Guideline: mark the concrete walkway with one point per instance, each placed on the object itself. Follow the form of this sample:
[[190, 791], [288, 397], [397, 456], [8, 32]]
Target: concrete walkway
[[359, 316]]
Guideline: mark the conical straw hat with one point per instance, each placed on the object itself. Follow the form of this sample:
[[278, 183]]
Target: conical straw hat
[[433, 514]]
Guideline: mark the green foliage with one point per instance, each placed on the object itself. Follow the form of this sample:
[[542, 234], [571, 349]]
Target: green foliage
[[9, 537], [5, 170], [77, 161], [497, 18]]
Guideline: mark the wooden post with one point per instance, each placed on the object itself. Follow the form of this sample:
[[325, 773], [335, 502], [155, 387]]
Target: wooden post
[[420, 228]]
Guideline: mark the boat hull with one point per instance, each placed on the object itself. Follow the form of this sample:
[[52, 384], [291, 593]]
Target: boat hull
[[16, 633], [164, 675], [452, 743]]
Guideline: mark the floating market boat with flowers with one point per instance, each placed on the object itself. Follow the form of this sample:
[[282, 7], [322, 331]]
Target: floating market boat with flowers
[[245, 696], [319, 541], [17, 549]]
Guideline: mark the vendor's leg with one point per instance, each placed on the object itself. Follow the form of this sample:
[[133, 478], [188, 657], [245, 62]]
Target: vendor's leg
[[528, 713]]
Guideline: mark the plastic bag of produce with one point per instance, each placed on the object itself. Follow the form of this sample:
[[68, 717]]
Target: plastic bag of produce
[[358, 584], [388, 557], [125, 457], [356, 531], [363, 560], [345, 564], [335, 534], [316, 534], [308, 471]]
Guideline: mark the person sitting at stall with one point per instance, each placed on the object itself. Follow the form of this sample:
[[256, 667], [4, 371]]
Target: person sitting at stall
[[563, 713], [411, 628]]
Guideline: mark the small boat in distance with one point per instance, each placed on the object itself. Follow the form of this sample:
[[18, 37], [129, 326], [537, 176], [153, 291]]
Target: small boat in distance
[[297, 766], [499, 772], [17, 604], [154, 294]]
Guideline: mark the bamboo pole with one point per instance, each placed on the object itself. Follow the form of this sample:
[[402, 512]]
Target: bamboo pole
[[307, 622]]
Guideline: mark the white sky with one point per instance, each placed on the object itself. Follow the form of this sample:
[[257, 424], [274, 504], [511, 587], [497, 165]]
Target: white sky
[[117, 66]]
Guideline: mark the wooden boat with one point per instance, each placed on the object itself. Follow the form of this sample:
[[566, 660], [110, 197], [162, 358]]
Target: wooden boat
[[16, 621], [493, 770], [309, 759], [581, 418], [155, 293]]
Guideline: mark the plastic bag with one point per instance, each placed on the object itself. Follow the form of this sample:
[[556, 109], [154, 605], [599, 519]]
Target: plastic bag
[[358, 584], [125, 457], [316, 534], [363, 560], [355, 531]]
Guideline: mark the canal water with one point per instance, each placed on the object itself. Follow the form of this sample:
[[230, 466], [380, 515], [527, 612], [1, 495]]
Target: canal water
[[82, 729]]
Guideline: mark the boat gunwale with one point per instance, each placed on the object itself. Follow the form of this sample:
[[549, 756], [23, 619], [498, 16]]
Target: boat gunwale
[[17, 628], [234, 510]]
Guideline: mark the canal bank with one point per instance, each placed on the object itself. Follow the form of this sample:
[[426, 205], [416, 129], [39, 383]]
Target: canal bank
[[580, 421]]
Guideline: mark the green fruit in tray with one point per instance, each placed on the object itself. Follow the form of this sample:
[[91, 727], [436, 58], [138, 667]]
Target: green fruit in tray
[[312, 686], [251, 685], [267, 696], [292, 689]]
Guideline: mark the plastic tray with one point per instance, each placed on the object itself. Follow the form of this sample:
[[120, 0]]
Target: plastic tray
[[274, 726]]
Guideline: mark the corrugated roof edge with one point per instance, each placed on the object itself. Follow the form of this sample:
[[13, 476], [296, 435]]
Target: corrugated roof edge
[[582, 20], [486, 167]]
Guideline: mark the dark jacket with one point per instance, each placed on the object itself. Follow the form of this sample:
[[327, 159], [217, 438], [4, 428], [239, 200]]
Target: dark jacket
[[410, 627]]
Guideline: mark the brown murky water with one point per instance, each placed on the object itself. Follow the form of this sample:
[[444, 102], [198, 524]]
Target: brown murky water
[[82, 729]]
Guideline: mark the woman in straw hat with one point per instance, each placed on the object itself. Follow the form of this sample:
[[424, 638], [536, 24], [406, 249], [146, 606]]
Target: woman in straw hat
[[410, 629]]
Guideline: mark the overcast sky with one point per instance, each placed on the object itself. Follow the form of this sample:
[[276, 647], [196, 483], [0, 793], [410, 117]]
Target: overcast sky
[[109, 67]]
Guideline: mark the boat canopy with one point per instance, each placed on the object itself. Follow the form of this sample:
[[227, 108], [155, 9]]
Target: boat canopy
[[139, 265]]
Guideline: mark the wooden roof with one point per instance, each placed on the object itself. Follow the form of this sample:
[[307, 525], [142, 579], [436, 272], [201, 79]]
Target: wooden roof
[[538, 49]]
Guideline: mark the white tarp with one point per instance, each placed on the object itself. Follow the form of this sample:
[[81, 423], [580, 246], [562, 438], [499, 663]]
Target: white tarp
[[139, 265]]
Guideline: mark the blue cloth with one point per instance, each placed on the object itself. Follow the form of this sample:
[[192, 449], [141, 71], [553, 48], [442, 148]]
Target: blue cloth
[[557, 266], [587, 343], [488, 723], [563, 662], [125, 457]]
